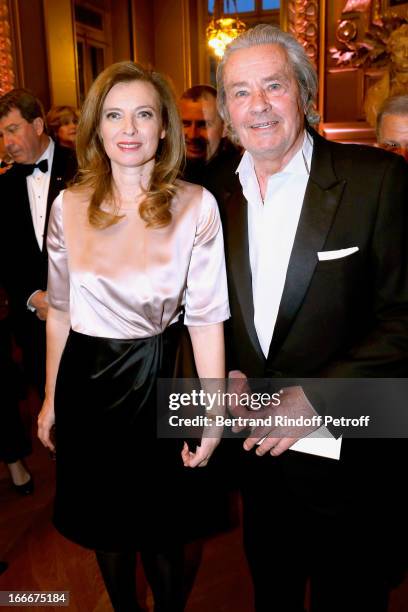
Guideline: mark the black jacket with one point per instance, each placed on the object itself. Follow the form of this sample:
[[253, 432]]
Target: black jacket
[[23, 265], [345, 317]]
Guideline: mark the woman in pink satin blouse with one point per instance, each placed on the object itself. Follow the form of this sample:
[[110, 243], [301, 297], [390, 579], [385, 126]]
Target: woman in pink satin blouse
[[130, 248]]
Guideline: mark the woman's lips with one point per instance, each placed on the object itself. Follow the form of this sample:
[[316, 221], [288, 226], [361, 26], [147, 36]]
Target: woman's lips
[[129, 146]]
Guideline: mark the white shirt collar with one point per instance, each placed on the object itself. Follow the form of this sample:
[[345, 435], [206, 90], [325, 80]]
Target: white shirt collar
[[299, 164], [48, 154]]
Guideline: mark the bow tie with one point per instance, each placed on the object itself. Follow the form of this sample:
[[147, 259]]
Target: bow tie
[[29, 168]]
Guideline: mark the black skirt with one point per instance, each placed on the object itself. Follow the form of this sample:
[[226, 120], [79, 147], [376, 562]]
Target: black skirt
[[118, 486]]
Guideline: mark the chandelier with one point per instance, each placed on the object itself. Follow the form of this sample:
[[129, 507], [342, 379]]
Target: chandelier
[[222, 30]]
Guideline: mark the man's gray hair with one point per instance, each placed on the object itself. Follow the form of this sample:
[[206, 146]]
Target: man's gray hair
[[395, 105], [305, 74]]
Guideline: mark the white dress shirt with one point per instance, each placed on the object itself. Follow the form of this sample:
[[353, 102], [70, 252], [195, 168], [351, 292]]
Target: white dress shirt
[[38, 184], [272, 226]]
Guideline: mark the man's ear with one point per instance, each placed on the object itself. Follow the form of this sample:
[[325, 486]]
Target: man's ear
[[38, 124]]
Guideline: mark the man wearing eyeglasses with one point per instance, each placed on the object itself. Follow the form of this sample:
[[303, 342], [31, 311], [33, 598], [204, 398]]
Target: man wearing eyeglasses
[[392, 126], [40, 171]]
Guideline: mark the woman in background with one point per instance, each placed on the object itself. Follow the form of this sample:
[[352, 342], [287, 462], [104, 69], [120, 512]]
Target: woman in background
[[63, 122], [129, 246]]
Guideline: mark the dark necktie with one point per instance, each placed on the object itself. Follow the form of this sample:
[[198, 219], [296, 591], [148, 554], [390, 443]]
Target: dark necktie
[[29, 168]]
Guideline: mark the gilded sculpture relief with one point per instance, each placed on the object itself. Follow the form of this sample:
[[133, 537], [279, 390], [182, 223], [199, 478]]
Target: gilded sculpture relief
[[394, 82], [380, 49]]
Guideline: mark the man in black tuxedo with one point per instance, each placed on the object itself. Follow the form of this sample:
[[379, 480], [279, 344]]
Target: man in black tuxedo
[[40, 171], [316, 242]]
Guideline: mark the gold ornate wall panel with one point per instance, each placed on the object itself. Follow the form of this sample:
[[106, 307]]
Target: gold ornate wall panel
[[301, 18], [305, 19], [7, 77]]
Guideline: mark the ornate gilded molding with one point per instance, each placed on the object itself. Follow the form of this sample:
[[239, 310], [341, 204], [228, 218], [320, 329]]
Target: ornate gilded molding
[[7, 78], [305, 19], [303, 23]]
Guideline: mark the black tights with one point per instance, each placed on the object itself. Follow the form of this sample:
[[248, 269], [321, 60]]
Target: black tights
[[164, 572]]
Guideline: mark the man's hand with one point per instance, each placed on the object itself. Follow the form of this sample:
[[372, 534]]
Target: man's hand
[[276, 438], [40, 302], [293, 404]]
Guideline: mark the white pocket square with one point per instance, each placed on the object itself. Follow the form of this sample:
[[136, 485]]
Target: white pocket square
[[327, 255]]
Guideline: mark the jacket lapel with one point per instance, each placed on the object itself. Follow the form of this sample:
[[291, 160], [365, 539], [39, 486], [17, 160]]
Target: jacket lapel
[[58, 170], [323, 194], [238, 259], [21, 201]]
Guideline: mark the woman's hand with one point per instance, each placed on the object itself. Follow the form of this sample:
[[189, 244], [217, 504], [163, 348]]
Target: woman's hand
[[208, 346], [46, 420], [202, 454]]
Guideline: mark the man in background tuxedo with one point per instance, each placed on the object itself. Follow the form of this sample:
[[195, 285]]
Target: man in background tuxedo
[[41, 170], [316, 242]]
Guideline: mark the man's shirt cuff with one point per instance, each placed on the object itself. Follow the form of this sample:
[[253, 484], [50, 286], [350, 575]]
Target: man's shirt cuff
[[29, 306]]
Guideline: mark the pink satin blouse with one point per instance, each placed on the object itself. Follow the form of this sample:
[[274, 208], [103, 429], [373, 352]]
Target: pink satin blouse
[[129, 281]]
